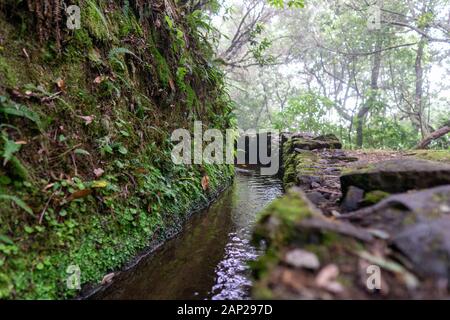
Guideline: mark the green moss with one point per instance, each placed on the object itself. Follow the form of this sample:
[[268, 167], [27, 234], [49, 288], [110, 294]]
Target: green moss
[[162, 68], [277, 222], [191, 97], [125, 23], [296, 164], [409, 220], [88, 236], [359, 169], [80, 45], [433, 155], [261, 268], [17, 169], [374, 197], [96, 21], [8, 72], [146, 195]]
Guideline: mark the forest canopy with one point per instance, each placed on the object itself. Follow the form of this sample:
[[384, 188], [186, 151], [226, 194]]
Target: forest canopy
[[373, 72]]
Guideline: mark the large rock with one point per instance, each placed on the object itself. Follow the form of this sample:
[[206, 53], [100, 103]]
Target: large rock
[[406, 235], [427, 246], [396, 176], [353, 199], [418, 225], [329, 141]]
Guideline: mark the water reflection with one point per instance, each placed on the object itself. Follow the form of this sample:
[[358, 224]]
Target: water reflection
[[208, 260]]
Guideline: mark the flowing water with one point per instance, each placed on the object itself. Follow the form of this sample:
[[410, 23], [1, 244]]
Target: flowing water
[[208, 260]]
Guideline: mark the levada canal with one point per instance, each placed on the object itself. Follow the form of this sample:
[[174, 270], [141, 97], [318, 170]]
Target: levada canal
[[209, 258]]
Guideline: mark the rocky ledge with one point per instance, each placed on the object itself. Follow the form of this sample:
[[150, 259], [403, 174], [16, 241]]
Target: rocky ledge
[[356, 225]]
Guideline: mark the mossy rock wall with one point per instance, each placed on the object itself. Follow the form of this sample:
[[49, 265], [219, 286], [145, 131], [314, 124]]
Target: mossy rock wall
[[86, 176]]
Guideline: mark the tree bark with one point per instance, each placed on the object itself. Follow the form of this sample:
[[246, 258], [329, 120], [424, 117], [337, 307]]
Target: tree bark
[[418, 98], [361, 116], [433, 136]]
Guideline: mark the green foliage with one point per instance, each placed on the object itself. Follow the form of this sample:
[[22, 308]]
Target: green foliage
[[96, 21], [181, 74], [9, 148], [259, 47], [191, 97], [162, 68], [386, 132], [7, 72], [9, 107], [18, 202], [141, 195], [425, 19], [281, 4], [306, 112]]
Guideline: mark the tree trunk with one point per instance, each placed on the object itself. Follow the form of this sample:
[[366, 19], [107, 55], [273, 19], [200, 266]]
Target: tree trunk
[[433, 136], [361, 116], [418, 97]]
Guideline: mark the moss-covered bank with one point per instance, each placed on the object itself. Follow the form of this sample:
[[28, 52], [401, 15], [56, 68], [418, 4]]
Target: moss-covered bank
[[86, 176]]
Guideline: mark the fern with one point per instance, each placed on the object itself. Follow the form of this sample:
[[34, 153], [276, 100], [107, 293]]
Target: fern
[[97, 21], [116, 51], [9, 148], [19, 202], [9, 107]]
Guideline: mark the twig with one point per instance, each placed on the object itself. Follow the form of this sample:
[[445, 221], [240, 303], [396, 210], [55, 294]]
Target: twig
[[46, 207]]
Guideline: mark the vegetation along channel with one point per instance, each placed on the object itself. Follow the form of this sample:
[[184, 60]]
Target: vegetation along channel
[[224, 149], [209, 259]]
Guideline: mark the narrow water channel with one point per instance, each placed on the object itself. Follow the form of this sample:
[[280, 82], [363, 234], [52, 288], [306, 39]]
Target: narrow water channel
[[208, 260]]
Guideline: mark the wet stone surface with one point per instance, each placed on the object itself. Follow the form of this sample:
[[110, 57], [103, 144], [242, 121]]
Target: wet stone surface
[[392, 214], [396, 176]]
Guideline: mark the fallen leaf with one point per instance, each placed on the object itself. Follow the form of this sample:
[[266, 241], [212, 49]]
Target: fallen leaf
[[292, 279], [172, 84], [326, 279], [99, 79], [205, 183], [82, 152], [99, 184], [87, 119], [60, 83], [25, 52], [79, 194], [48, 186], [98, 172], [299, 258]]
